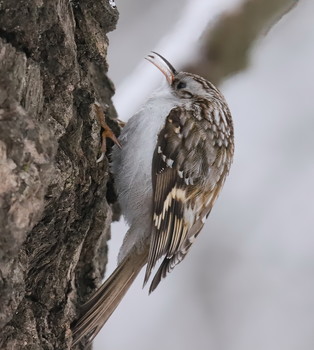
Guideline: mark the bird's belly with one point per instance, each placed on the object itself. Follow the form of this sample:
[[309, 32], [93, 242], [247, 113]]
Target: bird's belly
[[132, 165]]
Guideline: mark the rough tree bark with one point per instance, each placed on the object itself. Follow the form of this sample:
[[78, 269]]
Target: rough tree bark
[[54, 216]]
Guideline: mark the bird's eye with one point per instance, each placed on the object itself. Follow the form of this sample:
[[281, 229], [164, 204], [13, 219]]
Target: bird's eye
[[181, 85]]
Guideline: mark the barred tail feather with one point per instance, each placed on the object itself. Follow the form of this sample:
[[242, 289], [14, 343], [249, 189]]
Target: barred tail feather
[[97, 310]]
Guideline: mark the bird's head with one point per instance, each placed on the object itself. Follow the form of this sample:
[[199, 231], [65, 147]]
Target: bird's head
[[183, 85]]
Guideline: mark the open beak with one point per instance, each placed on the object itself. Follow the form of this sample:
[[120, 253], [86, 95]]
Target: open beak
[[163, 65]]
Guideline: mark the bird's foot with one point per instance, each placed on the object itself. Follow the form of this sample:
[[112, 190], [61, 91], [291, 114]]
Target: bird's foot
[[106, 130]]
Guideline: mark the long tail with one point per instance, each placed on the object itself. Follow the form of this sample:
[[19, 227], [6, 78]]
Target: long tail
[[97, 310]]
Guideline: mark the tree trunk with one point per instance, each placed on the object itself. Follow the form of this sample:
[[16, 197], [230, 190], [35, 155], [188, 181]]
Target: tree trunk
[[54, 215]]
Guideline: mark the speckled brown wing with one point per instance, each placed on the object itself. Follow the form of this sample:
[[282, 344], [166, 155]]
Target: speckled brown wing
[[189, 167]]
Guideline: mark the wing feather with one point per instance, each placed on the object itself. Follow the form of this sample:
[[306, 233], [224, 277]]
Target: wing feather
[[188, 171]]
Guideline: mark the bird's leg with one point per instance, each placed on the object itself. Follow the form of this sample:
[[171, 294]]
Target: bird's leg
[[106, 131]]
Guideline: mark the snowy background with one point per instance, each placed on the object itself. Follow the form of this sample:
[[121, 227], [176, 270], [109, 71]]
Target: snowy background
[[248, 282]]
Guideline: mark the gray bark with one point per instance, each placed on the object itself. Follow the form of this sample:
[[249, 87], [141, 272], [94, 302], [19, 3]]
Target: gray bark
[[54, 215]]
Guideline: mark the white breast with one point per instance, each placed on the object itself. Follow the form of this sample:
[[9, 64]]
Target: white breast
[[132, 165]]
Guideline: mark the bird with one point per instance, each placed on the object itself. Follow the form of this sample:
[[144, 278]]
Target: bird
[[169, 167]]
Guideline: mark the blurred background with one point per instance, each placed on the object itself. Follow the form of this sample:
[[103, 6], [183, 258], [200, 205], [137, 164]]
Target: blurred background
[[248, 281]]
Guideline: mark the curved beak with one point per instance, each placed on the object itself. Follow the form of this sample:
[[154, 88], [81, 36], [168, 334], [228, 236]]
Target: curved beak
[[163, 65]]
